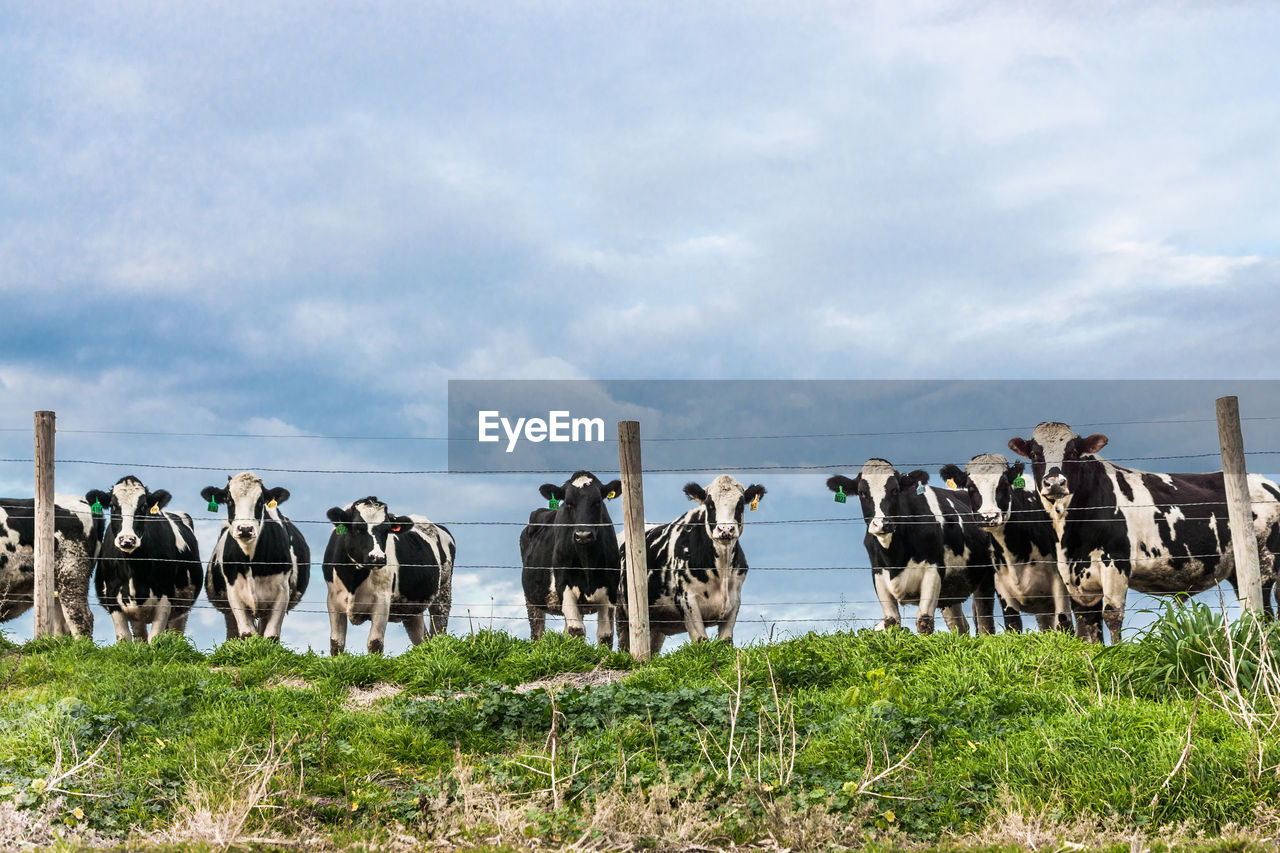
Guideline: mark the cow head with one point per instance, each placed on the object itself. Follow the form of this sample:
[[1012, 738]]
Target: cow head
[[248, 505], [724, 501], [988, 479], [132, 508], [366, 526], [582, 505], [1055, 451], [879, 489]]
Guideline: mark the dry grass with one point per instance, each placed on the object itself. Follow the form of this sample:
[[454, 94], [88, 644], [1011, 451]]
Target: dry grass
[[576, 680], [364, 698]]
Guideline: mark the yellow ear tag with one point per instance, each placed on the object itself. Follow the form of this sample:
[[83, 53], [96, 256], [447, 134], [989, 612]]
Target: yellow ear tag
[[612, 494], [951, 484], [155, 509], [271, 504], [755, 504]]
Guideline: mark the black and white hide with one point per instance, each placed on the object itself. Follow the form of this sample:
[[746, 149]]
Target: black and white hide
[[77, 533]]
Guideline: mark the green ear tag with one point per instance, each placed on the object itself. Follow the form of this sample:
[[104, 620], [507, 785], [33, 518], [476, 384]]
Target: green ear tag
[[841, 497], [1019, 483], [553, 503], [342, 530], [213, 505], [96, 508]]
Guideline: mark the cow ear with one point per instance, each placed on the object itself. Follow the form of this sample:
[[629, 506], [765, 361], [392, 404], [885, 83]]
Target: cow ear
[[551, 490], [336, 514], [695, 492], [97, 496], [954, 474], [1014, 471], [159, 498], [278, 494], [838, 482], [1092, 444], [1020, 447], [215, 495], [754, 493], [913, 478], [612, 489], [402, 521]]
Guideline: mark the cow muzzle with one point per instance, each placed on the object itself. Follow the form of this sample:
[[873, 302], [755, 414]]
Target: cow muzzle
[[1054, 485], [127, 542], [584, 537], [877, 526], [245, 532], [989, 518], [725, 532]]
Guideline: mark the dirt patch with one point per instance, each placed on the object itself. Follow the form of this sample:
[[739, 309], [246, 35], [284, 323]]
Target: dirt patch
[[291, 683], [363, 698], [577, 680]]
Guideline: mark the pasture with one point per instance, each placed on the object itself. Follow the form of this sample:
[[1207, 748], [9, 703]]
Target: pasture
[[883, 740]]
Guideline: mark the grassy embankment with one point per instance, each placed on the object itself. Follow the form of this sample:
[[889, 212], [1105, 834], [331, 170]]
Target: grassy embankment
[[884, 739]]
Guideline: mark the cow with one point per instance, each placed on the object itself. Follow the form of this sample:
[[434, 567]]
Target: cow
[[569, 554], [696, 566], [149, 569], [1026, 545], [1165, 534], [261, 565], [77, 532], [380, 567], [925, 547]]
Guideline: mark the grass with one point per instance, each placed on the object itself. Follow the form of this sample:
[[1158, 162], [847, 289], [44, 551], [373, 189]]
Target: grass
[[878, 740]]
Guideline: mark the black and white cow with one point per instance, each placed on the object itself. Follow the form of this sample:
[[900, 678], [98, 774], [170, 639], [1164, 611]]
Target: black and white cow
[[570, 557], [1026, 545], [696, 566], [261, 565], [1165, 534], [925, 546], [77, 533], [381, 568], [149, 569]]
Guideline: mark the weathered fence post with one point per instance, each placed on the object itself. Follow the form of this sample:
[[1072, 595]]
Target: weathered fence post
[[1244, 545], [46, 621], [633, 524]]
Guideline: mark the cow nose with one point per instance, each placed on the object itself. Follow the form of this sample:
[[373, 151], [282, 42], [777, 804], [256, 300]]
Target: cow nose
[[726, 531], [1054, 483], [377, 557], [244, 531], [876, 525], [584, 537], [126, 543], [990, 518]]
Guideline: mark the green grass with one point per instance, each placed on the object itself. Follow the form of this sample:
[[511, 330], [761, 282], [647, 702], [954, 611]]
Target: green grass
[[867, 738]]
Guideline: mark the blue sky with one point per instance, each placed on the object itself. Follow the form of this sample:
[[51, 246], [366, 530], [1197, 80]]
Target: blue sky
[[300, 219]]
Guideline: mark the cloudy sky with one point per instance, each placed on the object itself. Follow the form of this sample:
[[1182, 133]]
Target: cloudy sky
[[291, 220]]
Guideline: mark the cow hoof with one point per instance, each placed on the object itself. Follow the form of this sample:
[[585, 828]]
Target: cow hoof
[[576, 631], [924, 625], [607, 642], [335, 648], [375, 647], [244, 635]]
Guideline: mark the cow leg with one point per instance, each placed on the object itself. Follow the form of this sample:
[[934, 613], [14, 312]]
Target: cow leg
[[954, 616], [888, 604], [1011, 615], [1115, 588], [692, 613], [725, 630], [655, 642], [1089, 621], [416, 627], [441, 604], [1046, 621], [378, 624], [275, 616], [1061, 604], [121, 626], [160, 618], [139, 631], [537, 620], [244, 623], [984, 608], [573, 624], [930, 591], [604, 626], [337, 629], [73, 571], [233, 629], [178, 624]]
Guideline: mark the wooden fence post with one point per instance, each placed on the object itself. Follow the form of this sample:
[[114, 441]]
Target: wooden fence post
[[1244, 545], [46, 621], [633, 524]]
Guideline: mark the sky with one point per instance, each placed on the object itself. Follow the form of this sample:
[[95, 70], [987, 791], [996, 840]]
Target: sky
[[303, 220]]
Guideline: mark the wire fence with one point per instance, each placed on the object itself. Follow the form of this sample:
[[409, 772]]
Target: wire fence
[[1191, 509]]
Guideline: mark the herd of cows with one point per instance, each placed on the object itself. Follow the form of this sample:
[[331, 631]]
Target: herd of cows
[[1064, 546]]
